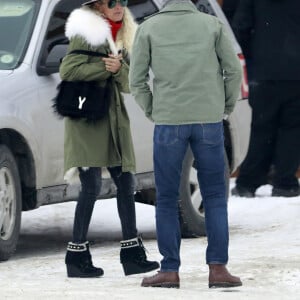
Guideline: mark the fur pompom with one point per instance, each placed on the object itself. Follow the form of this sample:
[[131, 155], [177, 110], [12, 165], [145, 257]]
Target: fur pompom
[[72, 175]]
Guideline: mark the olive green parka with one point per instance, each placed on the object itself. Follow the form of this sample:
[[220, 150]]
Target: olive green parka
[[107, 142]]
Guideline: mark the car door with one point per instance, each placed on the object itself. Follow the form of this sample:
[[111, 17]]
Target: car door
[[50, 127]]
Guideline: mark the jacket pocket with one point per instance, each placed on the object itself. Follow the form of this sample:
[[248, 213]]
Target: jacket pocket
[[213, 133], [166, 134]]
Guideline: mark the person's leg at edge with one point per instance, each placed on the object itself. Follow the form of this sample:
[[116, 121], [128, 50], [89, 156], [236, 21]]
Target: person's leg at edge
[[207, 144], [169, 150], [287, 149], [132, 254], [255, 168], [78, 258]]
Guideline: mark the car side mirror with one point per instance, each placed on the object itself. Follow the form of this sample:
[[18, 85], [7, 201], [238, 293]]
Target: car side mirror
[[51, 62]]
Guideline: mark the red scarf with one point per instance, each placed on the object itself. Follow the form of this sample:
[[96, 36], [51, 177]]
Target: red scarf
[[115, 27]]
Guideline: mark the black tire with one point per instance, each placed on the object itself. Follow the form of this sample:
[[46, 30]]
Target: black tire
[[192, 219], [10, 203]]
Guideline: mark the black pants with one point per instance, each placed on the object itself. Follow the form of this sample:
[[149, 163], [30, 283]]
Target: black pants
[[90, 188], [275, 135]]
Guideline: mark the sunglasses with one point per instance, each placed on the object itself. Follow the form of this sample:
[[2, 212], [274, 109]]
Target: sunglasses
[[112, 3]]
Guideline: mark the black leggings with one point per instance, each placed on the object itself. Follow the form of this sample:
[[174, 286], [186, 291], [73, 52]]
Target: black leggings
[[90, 189]]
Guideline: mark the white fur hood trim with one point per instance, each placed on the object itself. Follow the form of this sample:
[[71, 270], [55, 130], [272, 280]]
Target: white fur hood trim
[[95, 30], [89, 25]]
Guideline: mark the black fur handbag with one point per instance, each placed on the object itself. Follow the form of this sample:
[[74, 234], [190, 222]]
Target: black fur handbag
[[82, 99]]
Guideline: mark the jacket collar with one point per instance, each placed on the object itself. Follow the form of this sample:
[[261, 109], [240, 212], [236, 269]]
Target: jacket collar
[[179, 6]]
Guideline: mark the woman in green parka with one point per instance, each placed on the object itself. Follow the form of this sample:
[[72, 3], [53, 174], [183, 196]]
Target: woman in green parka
[[104, 26]]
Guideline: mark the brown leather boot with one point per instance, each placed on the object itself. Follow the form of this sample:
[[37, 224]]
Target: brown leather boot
[[219, 277], [162, 279]]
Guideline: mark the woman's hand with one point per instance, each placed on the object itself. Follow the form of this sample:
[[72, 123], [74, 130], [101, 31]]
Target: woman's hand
[[113, 63]]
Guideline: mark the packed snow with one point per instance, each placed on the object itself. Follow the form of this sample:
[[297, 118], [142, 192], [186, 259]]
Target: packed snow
[[264, 252]]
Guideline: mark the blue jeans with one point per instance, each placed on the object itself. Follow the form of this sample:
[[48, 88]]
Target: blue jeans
[[207, 144], [90, 189]]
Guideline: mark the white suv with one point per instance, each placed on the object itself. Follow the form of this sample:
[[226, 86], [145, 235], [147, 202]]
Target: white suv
[[31, 136]]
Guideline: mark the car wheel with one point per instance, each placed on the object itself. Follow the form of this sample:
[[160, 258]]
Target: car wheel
[[10, 203], [192, 215]]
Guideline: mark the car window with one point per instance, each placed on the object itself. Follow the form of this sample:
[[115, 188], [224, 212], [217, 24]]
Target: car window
[[16, 24], [56, 27], [141, 9], [56, 32]]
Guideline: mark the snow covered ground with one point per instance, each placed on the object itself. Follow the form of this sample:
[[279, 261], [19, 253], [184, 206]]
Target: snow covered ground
[[264, 252]]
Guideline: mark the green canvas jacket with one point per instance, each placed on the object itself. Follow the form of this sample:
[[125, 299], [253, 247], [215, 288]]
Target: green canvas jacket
[[197, 74]]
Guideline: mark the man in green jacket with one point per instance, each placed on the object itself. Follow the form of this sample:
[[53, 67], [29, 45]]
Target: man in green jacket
[[197, 78]]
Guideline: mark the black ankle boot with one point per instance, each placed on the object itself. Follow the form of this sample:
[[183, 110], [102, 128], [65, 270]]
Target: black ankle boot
[[79, 261], [134, 259]]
